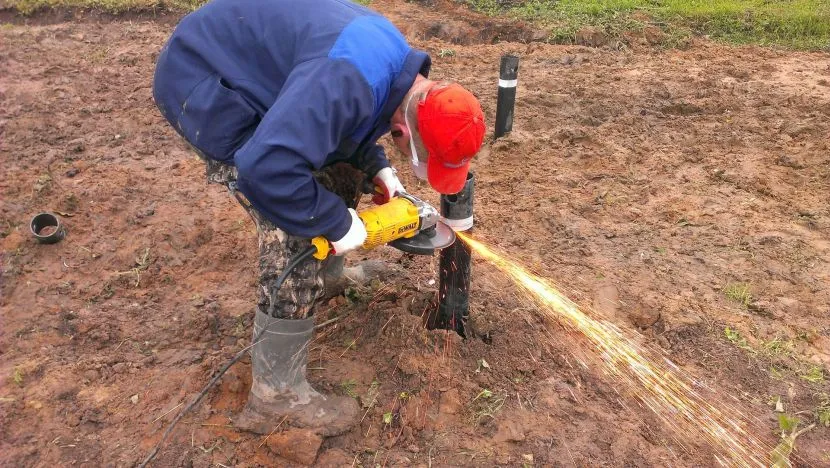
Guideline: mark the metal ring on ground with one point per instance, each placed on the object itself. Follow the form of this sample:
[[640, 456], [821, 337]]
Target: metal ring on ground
[[47, 228]]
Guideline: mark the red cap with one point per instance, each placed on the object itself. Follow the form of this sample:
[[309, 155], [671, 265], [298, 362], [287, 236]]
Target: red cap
[[451, 125]]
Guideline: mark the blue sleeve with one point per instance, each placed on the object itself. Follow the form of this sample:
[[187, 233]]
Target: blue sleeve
[[322, 102], [372, 160]]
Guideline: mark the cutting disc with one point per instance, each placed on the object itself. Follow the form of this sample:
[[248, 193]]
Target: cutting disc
[[426, 242]]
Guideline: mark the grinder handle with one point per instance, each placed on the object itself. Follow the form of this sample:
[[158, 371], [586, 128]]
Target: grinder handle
[[324, 248]]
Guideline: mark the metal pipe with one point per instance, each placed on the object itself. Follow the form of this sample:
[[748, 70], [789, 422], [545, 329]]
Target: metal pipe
[[454, 265], [508, 79]]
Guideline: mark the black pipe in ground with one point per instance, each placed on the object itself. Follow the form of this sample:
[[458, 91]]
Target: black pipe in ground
[[508, 79], [454, 264]]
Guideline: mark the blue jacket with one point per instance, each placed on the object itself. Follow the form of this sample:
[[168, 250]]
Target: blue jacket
[[281, 88]]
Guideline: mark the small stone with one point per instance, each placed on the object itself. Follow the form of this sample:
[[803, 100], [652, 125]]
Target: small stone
[[72, 419], [91, 375], [298, 445], [643, 316], [654, 35], [527, 458], [789, 161], [235, 385], [34, 404], [134, 399], [450, 402], [509, 431], [607, 300], [540, 35], [147, 211], [119, 368], [416, 410], [761, 307], [788, 306], [93, 415], [400, 460], [196, 357], [591, 37], [77, 145], [334, 458], [72, 172], [795, 130], [660, 91]]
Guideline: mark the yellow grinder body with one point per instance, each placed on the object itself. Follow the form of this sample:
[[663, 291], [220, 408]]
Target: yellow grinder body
[[397, 219], [393, 220]]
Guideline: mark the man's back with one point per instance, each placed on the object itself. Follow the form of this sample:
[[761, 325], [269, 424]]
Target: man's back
[[279, 88], [254, 44]]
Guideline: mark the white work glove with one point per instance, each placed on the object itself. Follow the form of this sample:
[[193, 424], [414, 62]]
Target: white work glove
[[353, 239], [387, 181]]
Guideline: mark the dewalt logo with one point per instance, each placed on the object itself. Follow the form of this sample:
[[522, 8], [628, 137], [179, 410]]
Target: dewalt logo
[[408, 227]]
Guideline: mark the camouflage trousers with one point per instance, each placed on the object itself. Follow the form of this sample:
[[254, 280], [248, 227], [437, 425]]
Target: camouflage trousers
[[297, 297]]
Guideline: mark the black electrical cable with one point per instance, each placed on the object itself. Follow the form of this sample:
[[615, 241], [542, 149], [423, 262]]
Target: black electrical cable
[[292, 264]]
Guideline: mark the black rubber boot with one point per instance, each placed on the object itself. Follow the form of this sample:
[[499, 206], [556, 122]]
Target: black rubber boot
[[280, 389]]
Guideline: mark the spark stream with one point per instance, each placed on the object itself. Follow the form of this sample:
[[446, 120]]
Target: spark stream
[[661, 386]]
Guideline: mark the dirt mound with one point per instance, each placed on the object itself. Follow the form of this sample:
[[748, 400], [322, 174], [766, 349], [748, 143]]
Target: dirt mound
[[681, 192]]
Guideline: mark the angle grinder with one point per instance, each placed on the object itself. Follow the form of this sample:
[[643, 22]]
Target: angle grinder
[[406, 223]]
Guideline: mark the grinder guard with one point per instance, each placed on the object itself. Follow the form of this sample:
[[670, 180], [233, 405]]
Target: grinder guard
[[427, 241]]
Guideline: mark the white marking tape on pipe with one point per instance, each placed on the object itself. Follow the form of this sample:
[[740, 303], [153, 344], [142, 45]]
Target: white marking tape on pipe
[[508, 83], [459, 224]]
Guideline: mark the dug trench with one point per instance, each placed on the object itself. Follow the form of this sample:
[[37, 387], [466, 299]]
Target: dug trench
[[680, 193]]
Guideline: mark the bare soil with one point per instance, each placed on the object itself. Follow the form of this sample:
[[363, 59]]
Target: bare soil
[[644, 182]]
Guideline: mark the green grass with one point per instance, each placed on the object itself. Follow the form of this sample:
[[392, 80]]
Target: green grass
[[17, 377], [117, 6], [813, 374], [777, 347], [349, 387], [27, 7], [486, 405], [738, 292], [735, 337], [801, 24]]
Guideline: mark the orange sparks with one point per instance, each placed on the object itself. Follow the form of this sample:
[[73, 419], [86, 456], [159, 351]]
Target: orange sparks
[[660, 385]]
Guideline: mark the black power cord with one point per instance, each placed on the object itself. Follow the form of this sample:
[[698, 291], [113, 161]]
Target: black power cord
[[292, 264]]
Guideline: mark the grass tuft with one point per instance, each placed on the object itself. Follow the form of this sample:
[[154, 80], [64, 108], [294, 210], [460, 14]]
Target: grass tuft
[[735, 337], [823, 410], [485, 406], [777, 347], [349, 387], [813, 374], [738, 292], [17, 376]]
